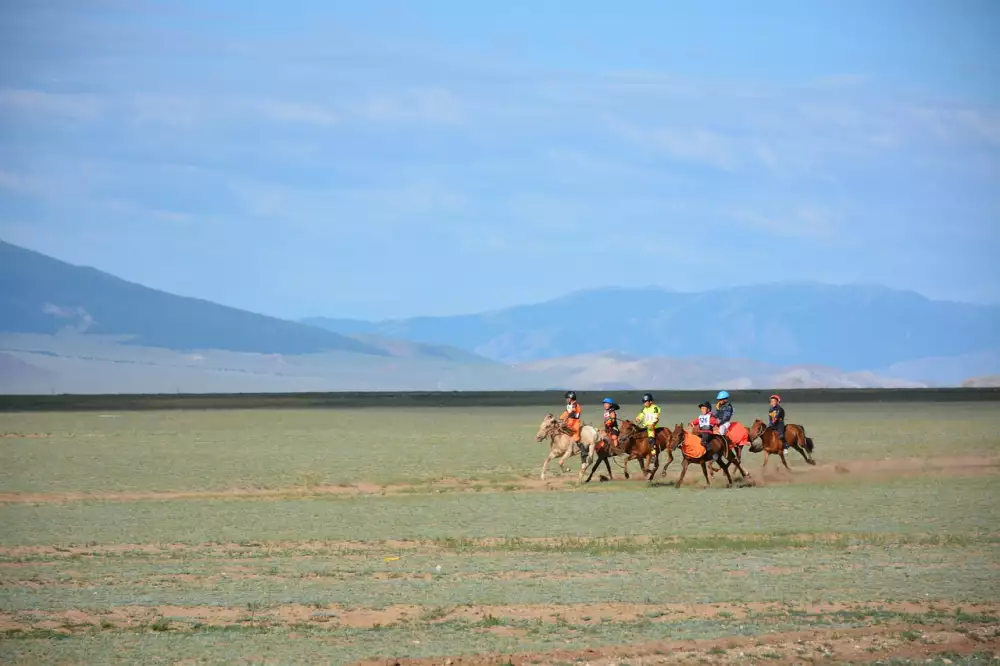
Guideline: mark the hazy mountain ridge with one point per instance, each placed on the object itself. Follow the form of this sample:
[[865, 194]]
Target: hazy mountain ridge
[[614, 370], [69, 329], [855, 328], [39, 294]]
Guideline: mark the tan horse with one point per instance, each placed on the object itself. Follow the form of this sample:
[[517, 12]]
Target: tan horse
[[562, 446], [771, 444]]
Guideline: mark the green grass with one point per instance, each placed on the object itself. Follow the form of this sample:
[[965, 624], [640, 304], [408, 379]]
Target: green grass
[[848, 539], [197, 450]]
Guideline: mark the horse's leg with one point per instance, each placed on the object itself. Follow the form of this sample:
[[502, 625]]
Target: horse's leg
[[562, 461], [670, 459], [725, 468], [625, 466], [735, 460], [783, 461], [762, 467], [545, 464], [655, 462], [704, 470], [805, 455], [684, 469], [608, 465], [592, 470]]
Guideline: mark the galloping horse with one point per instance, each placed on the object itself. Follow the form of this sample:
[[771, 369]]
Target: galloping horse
[[634, 443], [694, 451], [602, 451], [562, 444], [770, 443]]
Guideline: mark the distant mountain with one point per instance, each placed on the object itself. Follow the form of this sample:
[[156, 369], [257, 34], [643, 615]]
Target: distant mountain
[[987, 381], [70, 329], [39, 294], [854, 328], [611, 370]]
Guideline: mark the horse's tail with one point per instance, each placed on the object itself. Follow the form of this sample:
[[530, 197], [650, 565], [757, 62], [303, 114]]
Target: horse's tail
[[809, 444]]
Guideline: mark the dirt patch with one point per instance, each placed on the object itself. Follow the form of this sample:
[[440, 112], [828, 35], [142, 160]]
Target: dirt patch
[[867, 470], [25, 435], [875, 470], [124, 617], [864, 644], [395, 548]]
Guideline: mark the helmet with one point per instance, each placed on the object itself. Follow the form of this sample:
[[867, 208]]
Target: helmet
[[706, 405], [608, 401], [723, 395], [776, 397], [571, 395], [647, 397]]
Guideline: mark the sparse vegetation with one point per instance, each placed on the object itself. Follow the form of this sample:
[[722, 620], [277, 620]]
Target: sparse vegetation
[[94, 522]]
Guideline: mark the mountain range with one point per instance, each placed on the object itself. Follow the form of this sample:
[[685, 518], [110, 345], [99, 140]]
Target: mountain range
[[74, 329]]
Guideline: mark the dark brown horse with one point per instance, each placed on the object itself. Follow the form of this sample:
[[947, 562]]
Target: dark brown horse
[[633, 440], [603, 450], [718, 449], [770, 443]]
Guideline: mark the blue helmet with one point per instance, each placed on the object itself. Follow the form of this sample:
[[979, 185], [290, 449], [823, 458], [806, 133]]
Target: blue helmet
[[608, 401], [723, 395]]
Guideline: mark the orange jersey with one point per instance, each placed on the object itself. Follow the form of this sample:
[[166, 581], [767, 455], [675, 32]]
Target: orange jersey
[[572, 412]]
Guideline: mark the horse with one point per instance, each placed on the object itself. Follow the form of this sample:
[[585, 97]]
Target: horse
[[718, 449], [770, 443], [590, 448], [634, 443], [562, 443], [738, 436], [603, 450]]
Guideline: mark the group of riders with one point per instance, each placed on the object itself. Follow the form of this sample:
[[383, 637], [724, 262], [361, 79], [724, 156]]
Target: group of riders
[[711, 421]]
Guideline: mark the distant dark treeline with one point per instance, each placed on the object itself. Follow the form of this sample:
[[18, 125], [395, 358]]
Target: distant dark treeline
[[550, 399]]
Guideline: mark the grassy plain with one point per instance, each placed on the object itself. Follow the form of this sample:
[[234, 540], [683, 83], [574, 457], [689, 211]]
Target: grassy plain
[[305, 536]]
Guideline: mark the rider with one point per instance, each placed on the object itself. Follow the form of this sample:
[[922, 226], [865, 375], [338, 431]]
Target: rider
[[705, 421], [572, 417], [723, 411], [776, 418], [611, 421], [649, 417]]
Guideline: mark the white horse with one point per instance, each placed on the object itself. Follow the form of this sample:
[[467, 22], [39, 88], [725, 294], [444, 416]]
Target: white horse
[[562, 444]]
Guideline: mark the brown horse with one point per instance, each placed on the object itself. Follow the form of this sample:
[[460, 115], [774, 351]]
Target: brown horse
[[718, 449], [601, 451], [633, 440], [770, 443]]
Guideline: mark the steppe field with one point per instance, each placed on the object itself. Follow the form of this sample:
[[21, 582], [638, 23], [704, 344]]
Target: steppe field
[[425, 536]]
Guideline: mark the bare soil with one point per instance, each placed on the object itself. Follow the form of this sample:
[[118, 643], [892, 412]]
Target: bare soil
[[840, 646], [869, 470]]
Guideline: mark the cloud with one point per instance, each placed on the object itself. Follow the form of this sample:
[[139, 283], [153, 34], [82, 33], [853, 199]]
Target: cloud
[[295, 112], [13, 182], [80, 107], [433, 105], [806, 221], [697, 145]]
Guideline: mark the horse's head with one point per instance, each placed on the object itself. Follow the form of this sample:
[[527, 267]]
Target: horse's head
[[545, 430], [676, 435], [627, 430], [756, 436]]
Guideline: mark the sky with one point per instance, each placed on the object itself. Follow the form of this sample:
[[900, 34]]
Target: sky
[[390, 159]]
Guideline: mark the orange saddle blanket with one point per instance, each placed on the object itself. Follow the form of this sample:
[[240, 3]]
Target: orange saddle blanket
[[738, 434], [692, 446]]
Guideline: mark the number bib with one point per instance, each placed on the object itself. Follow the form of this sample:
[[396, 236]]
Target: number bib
[[705, 421]]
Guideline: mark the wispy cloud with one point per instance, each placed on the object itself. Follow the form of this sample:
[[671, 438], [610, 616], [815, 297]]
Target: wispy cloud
[[31, 103], [295, 112]]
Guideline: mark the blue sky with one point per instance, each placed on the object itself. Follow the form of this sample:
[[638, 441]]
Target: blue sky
[[385, 159]]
